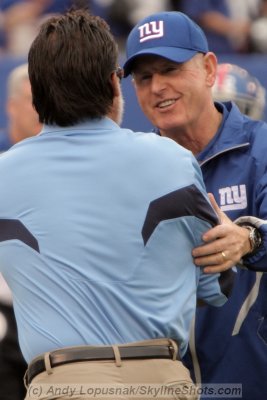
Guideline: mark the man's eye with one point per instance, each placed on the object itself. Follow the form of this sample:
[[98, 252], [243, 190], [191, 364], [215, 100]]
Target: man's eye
[[145, 77]]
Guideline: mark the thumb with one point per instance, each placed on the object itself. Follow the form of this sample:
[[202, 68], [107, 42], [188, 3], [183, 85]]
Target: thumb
[[221, 215], [215, 206]]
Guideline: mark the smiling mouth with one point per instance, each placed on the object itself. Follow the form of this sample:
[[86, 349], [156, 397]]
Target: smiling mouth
[[166, 103]]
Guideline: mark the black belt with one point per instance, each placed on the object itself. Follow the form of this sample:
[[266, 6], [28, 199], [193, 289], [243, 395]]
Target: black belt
[[76, 354]]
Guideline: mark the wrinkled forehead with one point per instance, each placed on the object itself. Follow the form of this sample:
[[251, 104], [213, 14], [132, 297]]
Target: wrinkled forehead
[[151, 62]]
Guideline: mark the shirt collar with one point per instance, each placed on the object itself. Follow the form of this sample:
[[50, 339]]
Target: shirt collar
[[104, 123]]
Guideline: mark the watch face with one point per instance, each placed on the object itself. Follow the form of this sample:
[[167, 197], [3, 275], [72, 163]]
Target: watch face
[[255, 238]]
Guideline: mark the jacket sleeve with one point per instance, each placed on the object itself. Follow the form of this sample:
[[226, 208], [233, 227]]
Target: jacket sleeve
[[256, 213], [256, 261]]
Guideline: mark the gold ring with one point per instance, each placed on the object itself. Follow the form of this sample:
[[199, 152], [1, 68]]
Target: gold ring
[[224, 255]]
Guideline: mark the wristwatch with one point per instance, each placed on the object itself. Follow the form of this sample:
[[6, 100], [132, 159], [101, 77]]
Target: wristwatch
[[254, 238]]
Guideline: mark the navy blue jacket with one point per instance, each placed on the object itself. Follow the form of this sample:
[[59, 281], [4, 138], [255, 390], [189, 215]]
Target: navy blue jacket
[[231, 342]]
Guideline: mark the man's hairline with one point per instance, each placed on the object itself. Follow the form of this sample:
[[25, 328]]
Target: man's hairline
[[132, 72]]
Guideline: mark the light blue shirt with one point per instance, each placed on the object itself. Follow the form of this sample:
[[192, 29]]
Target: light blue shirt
[[97, 225]]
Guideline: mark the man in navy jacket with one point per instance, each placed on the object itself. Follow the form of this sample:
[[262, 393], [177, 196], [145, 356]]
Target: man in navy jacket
[[173, 73]]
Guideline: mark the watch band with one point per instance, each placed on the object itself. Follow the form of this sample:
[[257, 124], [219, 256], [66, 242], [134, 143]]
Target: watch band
[[254, 238]]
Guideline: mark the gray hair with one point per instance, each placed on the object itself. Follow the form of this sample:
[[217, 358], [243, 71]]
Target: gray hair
[[15, 78]]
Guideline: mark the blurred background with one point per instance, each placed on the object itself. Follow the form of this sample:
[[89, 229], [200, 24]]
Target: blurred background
[[236, 31]]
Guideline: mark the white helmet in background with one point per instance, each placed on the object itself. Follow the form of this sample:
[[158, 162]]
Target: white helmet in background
[[236, 84]]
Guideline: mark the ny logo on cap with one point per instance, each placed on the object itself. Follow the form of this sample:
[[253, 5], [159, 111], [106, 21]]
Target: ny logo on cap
[[151, 30]]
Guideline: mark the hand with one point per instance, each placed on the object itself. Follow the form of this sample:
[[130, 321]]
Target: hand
[[225, 244]]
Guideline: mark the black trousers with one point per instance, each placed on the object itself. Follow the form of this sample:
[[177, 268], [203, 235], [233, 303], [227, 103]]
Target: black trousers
[[12, 363]]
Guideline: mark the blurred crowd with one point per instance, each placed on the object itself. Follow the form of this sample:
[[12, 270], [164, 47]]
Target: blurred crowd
[[231, 25]]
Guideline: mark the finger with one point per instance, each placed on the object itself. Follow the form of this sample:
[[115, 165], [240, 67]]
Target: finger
[[214, 259], [215, 205], [216, 233], [208, 250], [221, 215], [215, 240], [214, 269]]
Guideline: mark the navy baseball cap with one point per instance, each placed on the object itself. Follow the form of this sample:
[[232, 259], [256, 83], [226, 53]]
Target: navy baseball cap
[[172, 35]]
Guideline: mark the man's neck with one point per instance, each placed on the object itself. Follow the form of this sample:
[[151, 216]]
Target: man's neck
[[197, 136]]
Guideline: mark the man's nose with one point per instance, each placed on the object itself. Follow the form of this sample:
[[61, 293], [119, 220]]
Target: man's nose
[[158, 83]]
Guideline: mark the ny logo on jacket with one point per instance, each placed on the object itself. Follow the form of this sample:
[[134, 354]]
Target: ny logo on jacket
[[233, 198]]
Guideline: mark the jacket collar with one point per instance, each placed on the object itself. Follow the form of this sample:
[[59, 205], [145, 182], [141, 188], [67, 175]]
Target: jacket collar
[[230, 135]]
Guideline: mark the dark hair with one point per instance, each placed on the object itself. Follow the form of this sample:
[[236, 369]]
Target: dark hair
[[70, 65]]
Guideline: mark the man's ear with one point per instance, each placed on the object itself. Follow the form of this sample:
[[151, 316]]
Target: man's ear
[[211, 63], [115, 83]]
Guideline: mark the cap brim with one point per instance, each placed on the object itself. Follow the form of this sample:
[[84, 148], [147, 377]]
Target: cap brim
[[171, 53]]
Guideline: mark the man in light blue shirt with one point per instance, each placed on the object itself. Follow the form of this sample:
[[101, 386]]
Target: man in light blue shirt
[[97, 225]]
